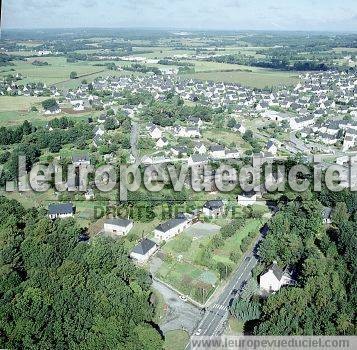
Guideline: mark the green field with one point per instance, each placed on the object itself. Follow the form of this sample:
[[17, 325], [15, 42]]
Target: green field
[[225, 137], [57, 71], [18, 103], [232, 243], [258, 79]]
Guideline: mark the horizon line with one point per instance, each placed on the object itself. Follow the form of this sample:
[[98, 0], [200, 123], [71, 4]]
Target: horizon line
[[187, 29]]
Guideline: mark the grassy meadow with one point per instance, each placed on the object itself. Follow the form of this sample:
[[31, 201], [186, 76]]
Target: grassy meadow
[[259, 78]]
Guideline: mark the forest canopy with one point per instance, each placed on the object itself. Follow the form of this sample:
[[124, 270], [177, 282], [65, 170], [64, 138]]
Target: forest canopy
[[59, 293]]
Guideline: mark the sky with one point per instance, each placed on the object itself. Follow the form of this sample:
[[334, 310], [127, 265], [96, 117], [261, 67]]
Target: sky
[[309, 15]]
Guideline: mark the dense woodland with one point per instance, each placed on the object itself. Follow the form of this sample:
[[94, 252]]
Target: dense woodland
[[59, 293], [323, 262]]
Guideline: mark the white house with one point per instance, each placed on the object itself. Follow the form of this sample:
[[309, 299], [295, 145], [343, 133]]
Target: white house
[[197, 160], [239, 128], [271, 148], [78, 105], [144, 250], [200, 148], [213, 208], [187, 132], [301, 122], [328, 139], [179, 151], [154, 132], [99, 130], [60, 210], [273, 279], [116, 226], [217, 151], [170, 229], [195, 121], [53, 110], [232, 154], [248, 198], [161, 142]]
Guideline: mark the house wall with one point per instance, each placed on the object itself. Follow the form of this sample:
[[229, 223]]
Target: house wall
[[269, 283], [218, 154], [118, 230], [60, 216], [215, 213], [245, 201], [164, 236], [156, 134], [143, 258]]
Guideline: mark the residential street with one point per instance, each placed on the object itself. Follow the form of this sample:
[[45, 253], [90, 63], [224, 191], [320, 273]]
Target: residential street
[[215, 316]]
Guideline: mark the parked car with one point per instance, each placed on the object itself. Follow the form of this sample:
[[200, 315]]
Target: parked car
[[198, 332], [183, 298]]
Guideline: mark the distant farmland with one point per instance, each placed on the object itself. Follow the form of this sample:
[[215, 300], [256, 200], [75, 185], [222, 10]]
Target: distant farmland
[[259, 79]]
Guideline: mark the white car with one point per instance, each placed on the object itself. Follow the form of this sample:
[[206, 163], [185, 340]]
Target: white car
[[198, 332], [183, 298]]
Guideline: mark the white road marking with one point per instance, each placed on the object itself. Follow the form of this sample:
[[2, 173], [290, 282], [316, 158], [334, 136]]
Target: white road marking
[[228, 296]]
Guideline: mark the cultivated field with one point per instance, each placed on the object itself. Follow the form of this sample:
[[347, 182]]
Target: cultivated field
[[258, 79]]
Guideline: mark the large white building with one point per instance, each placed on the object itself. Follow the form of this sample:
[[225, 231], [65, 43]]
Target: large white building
[[120, 227], [301, 122], [248, 198], [171, 228], [154, 132]]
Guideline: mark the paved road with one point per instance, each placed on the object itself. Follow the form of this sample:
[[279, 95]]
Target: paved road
[[134, 136], [180, 314], [215, 316]]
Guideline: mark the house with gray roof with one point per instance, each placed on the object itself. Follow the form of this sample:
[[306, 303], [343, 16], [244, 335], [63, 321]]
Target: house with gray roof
[[274, 278], [197, 160], [144, 250], [81, 159], [117, 226], [171, 228], [213, 208], [60, 210]]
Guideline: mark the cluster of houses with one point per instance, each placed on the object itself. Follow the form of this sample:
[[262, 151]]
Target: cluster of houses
[[324, 107], [200, 152], [270, 281], [118, 227], [14, 87]]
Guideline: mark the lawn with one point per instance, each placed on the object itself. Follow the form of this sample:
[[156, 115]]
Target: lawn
[[225, 138], [206, 66], [176, 340], [235, 327], [13, 118], [189, 279], [31, 199]]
